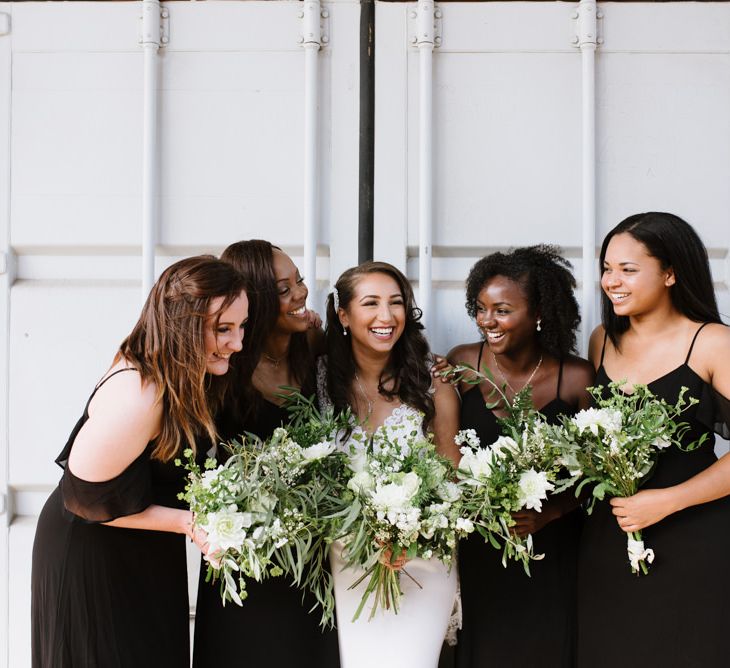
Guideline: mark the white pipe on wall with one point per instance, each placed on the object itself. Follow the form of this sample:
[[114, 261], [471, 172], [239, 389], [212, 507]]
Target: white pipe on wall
[[150, 148], [425, 41], [587, 41], [312, 39]]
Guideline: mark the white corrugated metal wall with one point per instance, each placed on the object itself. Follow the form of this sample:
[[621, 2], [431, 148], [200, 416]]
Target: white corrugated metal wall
[[507, 171]]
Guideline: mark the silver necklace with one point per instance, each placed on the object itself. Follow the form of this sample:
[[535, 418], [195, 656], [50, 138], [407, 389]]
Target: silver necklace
[[365, 395], [504, 378]]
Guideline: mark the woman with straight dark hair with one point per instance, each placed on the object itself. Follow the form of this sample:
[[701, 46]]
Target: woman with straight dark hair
[[378, 365], [526, 312], [274, 623], [661, 327], [109, 582]]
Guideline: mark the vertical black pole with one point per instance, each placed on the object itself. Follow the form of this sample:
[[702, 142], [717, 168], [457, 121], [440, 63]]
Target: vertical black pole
[[367, 130]]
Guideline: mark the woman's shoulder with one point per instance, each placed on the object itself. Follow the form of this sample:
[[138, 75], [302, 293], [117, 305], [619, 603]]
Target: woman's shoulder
[[710, 356], [465, 353], [578, 372]]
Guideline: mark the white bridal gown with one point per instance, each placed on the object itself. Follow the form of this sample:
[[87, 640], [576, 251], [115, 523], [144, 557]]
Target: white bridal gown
[[413, 637]]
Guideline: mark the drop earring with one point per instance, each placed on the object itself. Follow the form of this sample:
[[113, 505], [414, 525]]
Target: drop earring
[[538, 328], [344, 330]]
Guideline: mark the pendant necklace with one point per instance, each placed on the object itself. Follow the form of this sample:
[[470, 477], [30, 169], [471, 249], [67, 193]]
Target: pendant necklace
[[504, 378], [365, 395]]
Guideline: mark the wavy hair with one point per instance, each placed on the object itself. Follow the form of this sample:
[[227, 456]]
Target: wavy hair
[[254, 260], [167, 347], [676, 244], [407, 368], [545, 276]]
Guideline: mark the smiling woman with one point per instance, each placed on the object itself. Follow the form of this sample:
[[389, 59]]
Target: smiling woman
[[524, 307], [377, 365], [109, 584], [661, 327]]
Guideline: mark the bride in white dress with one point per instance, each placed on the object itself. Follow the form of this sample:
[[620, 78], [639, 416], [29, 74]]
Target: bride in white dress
[[377, 364]]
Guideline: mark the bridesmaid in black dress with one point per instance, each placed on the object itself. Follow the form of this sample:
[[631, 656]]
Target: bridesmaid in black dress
[[661, 327], [274, 626], [524, 306], [109, 584]]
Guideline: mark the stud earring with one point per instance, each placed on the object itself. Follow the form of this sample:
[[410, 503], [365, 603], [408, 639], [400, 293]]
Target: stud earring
[[538, 328]]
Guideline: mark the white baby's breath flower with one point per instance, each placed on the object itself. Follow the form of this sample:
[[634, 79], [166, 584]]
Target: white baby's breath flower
[[533, 488], [468, 437]]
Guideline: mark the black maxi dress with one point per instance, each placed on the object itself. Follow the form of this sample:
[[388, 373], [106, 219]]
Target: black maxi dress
[[273, 627], [107, 597], [508, 618], [677, 615]]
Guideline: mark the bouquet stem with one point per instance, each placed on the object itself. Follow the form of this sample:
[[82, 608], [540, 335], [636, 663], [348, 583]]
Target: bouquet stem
[[639, 556]]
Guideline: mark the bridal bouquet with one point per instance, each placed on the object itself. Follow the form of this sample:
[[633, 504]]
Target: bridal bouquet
[[262, 508], [404, 505], [515, 472], [615, 447]]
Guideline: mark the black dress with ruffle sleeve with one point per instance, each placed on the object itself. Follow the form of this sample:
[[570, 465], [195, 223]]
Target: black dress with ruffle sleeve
[[107, 597]]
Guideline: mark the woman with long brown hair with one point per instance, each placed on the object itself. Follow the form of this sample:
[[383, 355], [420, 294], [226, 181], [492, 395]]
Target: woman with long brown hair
[[280, 355], [378, 366], [109, 584]]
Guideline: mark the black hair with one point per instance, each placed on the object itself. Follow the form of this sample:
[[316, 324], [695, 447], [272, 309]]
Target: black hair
[[676, 244], [254, 260], [407, 367], [546, 278]]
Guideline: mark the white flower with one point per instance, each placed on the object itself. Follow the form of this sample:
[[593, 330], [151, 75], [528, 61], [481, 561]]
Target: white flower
[[661, 443], [396, 495], [318, 451], [468, 436], [502, 444], [533, 488], [464, 524], [477, 463], [361, 482], [358, 461], [226, 528], [209, 477], [593, 418], [449, 491]]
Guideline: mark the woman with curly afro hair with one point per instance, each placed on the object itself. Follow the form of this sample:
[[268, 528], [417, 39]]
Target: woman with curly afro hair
[[523, 304]]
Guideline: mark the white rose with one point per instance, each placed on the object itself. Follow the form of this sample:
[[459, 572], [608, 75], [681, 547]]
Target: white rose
[[396, 496], [318, 451], [358, 461], [225, 528], [362, 482], [502, 444], [533, 488], [477, 463], [449, 491]]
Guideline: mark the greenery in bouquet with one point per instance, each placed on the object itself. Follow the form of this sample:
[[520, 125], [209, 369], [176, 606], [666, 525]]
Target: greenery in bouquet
[[515, 472], [264, 508], [614, 447], [404, 504]]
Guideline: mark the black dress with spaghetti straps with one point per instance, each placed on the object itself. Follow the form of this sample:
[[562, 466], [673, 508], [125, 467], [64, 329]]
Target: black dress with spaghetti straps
[[107, 597], [676, 616], [273, 627], [510, 619]]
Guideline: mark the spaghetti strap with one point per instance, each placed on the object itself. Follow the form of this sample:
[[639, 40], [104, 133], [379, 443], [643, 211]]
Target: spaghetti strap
[[479, 359], [603, 350], [694, 338], [560, 379]]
